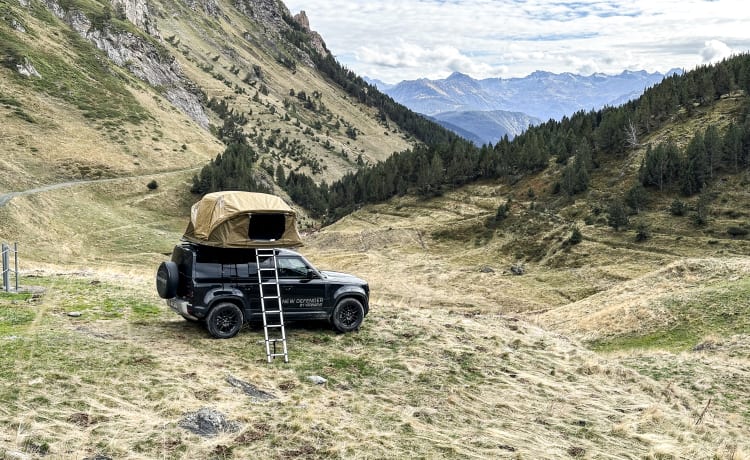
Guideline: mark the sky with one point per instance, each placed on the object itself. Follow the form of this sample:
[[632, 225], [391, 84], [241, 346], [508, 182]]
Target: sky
[[395, 40]]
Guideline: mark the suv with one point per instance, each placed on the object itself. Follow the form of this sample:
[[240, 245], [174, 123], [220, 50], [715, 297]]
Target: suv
[[219, 286]]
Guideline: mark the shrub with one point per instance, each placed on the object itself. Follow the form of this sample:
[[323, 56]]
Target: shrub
[[617, 215], [153, 185], [737, 231], [642, 232], [678, 207], [575, 236], [636, 198]]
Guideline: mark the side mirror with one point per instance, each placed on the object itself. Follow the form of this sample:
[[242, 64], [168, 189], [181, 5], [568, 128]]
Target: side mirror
[[311, 274]]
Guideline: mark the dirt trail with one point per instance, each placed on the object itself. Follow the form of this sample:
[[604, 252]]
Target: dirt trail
[[5, 198]]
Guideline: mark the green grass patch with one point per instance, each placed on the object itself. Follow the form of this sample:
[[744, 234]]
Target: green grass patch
[[99, 300], [9, 101], [85, 79], [722, 309], [15, 311]]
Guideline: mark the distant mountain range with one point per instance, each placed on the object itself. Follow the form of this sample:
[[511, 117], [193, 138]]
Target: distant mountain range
[[511, 105], [485, 127]]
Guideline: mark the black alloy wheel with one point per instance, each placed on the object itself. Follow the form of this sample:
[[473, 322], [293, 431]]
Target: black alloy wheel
[[224, 320], [348, 315]]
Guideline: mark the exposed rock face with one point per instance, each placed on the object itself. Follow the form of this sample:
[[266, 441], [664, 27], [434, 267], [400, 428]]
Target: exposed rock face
[[27, 69], [267, 12], [316, 39], [210, 7], [136, 11], [141, 57]]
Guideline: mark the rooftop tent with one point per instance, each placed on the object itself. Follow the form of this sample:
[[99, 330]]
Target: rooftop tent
[[242, 220]]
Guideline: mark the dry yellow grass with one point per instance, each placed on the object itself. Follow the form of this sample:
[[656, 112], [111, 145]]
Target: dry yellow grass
[[415, 382], [638, 305], [443, 367]]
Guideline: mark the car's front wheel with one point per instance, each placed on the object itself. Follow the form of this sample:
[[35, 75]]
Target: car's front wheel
[[348, 315], [224, 320]]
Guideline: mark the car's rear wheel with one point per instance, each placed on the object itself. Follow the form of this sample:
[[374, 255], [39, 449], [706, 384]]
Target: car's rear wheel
[[224, 320], [348, 315], [167, 279]]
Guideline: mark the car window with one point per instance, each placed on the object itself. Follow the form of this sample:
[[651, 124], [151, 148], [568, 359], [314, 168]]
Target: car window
[[292, 267]]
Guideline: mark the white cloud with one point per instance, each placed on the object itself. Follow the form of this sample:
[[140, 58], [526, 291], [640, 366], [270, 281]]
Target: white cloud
[[715, 50], [431, 62], [395, 40]]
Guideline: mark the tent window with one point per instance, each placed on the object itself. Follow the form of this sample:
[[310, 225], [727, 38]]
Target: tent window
[[267, 226]]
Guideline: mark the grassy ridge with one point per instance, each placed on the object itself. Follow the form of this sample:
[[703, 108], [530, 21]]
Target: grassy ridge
[[721, 310]]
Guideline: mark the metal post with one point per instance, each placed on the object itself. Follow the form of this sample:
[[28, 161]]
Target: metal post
[[15, 255], [6, 285]]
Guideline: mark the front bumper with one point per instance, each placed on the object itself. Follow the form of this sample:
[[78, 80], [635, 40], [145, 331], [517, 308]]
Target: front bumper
[[180, 307]]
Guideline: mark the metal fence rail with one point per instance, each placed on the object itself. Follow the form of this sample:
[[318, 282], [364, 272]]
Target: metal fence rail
[[7, 250]]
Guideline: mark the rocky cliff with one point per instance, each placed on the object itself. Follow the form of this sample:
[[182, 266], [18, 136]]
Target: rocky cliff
[[143, 55]]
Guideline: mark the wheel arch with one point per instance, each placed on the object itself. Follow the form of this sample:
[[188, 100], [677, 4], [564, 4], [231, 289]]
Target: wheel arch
[[216, 296], [351, 292]]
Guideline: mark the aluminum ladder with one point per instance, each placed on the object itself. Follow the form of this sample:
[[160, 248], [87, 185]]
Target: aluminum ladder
[[270, 291]]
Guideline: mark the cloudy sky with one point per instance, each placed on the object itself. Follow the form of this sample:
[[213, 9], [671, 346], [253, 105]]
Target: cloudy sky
[[395, 40]]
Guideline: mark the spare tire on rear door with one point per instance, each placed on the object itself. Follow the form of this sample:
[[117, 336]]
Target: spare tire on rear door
[[167, 278]]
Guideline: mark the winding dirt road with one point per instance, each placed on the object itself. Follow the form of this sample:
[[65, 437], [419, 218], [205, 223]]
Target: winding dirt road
[[5, 198]]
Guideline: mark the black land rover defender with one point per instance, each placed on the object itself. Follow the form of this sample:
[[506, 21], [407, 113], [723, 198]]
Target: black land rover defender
[[219, 286]]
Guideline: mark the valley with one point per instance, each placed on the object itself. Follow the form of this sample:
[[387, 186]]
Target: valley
[[512, 316]]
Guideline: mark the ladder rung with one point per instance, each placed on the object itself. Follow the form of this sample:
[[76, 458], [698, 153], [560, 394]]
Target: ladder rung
[[265, 279]]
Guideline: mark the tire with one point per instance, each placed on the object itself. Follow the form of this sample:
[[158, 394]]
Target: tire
[[348, 315], [224, 321], [167, 279]]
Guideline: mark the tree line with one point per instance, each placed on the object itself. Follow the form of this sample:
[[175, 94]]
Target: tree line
[[579, 142], [707, 153]]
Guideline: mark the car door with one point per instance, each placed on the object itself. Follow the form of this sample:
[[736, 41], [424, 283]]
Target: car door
[[302, 295]]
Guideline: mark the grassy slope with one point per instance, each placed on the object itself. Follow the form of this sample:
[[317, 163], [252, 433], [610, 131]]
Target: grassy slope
[[443, 367], [86, 118], [209, 50]]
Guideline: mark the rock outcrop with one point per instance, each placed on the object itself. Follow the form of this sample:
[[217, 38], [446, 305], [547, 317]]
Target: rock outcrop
[[136, 11], [27, 69], [270, 13], [315, 38], [144, 57], [210, 7]]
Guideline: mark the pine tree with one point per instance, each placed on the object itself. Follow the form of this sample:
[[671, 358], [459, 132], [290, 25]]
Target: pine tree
[[713, 146], [732, 147], [617, 216], [696, 166], [636, 198], [280, 177], [660, 166]]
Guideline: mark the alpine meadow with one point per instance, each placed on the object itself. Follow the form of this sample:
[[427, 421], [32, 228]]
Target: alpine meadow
[[581, 290]]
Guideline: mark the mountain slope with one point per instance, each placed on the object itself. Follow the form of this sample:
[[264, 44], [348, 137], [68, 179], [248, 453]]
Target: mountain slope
[[543, 95], [95, 89], [487, 126]]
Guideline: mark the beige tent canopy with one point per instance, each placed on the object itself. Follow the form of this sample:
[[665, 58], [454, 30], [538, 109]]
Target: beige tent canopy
[[242, 220]]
